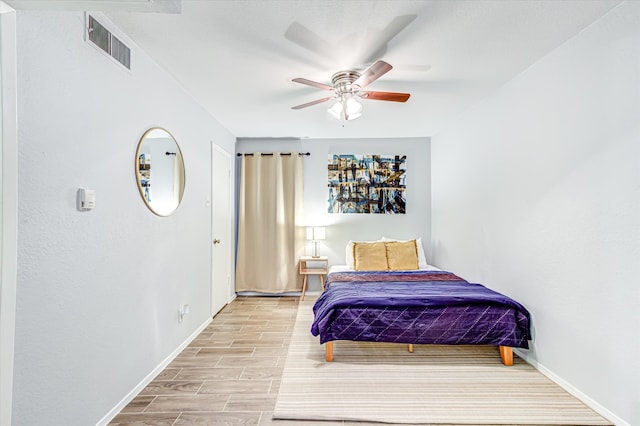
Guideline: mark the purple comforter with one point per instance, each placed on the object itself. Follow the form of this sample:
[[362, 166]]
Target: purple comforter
[[435, 307]]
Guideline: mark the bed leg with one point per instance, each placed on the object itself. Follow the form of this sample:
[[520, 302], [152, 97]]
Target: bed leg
[[328, 351], [506, 355], [410, 348]]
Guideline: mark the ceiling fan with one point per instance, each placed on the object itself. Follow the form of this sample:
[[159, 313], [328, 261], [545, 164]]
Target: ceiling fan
[[347, 86]]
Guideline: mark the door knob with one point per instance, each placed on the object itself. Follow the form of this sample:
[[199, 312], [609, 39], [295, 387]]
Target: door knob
[[216, 241]]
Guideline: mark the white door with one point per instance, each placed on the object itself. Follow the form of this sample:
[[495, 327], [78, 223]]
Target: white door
[[221, 227]]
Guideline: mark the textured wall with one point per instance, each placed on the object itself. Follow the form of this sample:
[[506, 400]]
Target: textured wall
[[98, 292], [536, 193]]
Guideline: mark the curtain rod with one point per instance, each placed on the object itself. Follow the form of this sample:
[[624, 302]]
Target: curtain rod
[[267, 154]]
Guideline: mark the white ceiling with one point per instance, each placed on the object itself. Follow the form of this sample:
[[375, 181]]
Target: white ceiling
[[237, 57]]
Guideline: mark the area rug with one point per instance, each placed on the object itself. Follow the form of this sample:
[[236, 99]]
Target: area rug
[[378, 382]]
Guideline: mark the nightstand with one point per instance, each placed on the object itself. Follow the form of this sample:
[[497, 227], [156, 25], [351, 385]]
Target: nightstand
[[310, 265]]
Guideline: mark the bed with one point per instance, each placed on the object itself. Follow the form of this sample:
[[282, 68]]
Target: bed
[[422, 305]]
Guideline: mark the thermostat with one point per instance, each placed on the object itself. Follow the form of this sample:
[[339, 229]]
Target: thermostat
[[86, 199]]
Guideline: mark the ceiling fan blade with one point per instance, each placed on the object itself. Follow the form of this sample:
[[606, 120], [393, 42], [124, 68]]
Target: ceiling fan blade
[[386, 96], [304, 37], [312, 83], [373, 73], [308, 104], [379, 39]]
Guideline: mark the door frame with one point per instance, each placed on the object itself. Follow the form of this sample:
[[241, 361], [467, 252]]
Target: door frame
[[8, 206], [218, 150]]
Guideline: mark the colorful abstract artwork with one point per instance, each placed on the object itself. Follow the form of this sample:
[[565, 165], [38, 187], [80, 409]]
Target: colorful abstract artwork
[[367, 183]]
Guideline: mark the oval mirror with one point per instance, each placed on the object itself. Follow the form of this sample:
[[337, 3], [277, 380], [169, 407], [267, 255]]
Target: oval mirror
[[160, 171]]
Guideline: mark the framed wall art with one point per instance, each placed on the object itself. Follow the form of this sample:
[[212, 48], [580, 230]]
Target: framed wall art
[[367, 183]]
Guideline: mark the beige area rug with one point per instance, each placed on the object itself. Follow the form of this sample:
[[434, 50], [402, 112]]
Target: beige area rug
[[377, 382]]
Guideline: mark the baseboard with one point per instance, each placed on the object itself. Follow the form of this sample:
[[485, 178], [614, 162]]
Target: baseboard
[[136, 390], [597, 407], [257, 293], [288, 293]]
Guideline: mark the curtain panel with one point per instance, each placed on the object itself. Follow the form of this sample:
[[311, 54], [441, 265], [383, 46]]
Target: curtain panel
[[270, 235]]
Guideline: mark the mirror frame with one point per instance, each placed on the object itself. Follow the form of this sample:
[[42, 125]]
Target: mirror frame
[[138, 177]]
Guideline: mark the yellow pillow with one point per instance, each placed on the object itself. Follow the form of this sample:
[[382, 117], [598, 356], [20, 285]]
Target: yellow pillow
[[402, 256], [370, 257]]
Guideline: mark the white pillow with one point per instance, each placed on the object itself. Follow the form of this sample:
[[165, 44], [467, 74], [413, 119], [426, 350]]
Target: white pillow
[[422, 259]]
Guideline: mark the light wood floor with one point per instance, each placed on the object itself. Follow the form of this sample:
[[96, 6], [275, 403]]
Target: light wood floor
[[229, 375]]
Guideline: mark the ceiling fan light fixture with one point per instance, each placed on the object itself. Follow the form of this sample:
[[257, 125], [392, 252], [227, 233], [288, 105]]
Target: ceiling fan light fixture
[[347, 108], [353, 108], [336, 110]]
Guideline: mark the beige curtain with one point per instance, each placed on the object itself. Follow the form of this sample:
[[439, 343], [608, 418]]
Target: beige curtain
[[270, 235]]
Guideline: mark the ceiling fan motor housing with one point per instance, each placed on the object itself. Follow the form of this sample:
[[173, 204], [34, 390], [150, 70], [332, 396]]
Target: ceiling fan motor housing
[[343, 82]]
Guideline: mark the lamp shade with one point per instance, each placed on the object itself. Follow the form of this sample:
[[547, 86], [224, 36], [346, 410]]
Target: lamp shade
[[315, 233], [353, 109], [336, 110], [319, 232]]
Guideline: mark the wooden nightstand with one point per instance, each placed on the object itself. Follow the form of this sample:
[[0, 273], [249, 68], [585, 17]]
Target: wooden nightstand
[[318, 266]]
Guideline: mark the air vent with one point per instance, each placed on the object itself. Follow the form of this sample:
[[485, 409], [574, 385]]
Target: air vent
[[107, 42]]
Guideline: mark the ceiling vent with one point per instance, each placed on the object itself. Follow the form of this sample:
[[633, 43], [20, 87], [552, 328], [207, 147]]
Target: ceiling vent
[[102, 38]]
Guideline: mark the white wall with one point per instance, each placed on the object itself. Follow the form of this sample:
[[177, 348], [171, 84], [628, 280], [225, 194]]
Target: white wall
[[536, 193], [98, 292], [343, 227]]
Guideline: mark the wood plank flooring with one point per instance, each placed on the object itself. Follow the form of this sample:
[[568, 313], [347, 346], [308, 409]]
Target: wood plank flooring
[[228, 375]]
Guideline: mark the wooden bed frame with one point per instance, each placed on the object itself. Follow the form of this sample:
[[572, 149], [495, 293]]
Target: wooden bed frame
[[506, 353]]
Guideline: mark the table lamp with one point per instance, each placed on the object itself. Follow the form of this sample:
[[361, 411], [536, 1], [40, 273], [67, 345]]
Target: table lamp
[[316, 233]]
